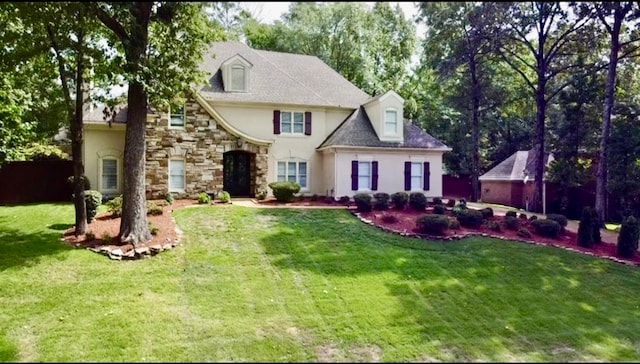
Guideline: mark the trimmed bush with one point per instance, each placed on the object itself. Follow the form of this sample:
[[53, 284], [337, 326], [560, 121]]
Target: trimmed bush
[[439, 209], [511, 213], [470, 218], [399, 200], [418, 201], [261, 195], [224, 197], [437, 201], [533, 217], [114, 206], [511, 223], [547, 227], [154, 209], [169, 198], [486, 212], [432, 224], [363, 201], [560, 219], [451, 202], [587, 228], [458, 208], [204, 198], [344, 200], [454, 224], [524, 232], [85, 181], [381, 201], [493, 225], [628, 237], [523, 216], [92, 200], [283, 191]]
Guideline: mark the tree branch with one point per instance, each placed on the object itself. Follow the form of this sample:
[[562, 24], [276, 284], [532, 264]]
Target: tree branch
[[109, 21], [61, 67]]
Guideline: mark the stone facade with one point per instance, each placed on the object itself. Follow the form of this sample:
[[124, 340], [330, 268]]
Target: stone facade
[[201, 143]]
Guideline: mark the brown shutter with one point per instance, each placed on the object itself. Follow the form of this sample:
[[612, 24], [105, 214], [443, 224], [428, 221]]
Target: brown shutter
[[354, 175], [426, 174], [276, 121], [374, 176], [407, 176], [307, 122]]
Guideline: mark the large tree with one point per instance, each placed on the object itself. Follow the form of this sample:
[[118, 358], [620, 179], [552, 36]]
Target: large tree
[[162, 44]]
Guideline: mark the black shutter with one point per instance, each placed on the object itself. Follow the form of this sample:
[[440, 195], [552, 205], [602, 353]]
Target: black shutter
[[307, 122], [407, 176], [374, 176], [426, 175], [276, 121], [354, 175]]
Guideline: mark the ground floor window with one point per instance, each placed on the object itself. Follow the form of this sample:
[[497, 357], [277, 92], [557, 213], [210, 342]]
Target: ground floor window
[[109, 174], [176, 175], [293, 171]]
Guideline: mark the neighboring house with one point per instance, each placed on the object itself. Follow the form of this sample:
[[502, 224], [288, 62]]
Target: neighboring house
[[511, 182], [270, 116]]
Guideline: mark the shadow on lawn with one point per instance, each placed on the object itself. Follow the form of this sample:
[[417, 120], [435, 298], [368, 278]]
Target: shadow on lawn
[[517, 305]]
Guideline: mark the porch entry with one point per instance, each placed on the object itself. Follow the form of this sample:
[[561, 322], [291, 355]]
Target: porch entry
[[237, 167]]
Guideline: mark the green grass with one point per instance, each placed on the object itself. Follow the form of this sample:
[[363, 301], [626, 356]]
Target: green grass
[[306, 285]]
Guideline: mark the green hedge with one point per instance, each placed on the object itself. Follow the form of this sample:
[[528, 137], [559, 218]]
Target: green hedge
[[284, 191]]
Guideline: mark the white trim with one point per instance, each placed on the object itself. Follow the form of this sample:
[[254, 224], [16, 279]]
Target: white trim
[[388, 149], [297, 161], [384, 122], [293, 114], [184, 177], [102, 156], [184, 119]]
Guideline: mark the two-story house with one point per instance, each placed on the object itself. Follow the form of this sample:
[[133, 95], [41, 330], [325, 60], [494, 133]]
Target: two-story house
[[271, 116]]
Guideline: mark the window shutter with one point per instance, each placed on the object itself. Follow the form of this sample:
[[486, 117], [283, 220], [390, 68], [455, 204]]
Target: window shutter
[[307, 122], [354, 175], [426, 174], [407, 176], [374, 176], [276, 121]]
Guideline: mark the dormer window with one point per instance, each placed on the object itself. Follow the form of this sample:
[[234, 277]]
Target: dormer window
[[391, 122], [236, 74]]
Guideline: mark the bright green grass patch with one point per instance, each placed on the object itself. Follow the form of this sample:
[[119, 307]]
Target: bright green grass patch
[[612, 227], [280, 285]]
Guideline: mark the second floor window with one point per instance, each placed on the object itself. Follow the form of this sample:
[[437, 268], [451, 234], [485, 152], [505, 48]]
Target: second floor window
[[391, 122], [291, 122], [176, 118]]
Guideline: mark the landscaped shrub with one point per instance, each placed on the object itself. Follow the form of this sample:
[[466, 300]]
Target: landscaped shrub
[[470, 218], [461, 206], [533, 217], [432, 224], [417, 201], [169, 198], [454, 224], [511, 222], [224, 197], [561, 219], [399, 200], [451, 202], [486, 212], [437, 201], [154, 209], [628, 237], [283, 191], [389, 218], [524, 232], [204, 198], [261, 195], [92, 200], [380, 201], [439, 209], [114, 206], [493, 225], [85, 181], [511, 213], [363, 201], [523, 216], [344, 200], [547, 227], [588, 227]]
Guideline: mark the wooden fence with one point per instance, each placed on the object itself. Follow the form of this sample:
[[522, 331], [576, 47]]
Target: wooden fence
[[35, 181]]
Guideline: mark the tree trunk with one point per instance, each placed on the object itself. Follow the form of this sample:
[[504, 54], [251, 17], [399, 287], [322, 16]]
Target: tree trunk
[[601, 176], [475, 131], [541, 103], [133, 226], [77, 138]]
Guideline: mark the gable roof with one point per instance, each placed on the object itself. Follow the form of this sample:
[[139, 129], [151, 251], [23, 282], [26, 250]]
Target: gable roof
[[516, 167], [281, 78], [356, 131]]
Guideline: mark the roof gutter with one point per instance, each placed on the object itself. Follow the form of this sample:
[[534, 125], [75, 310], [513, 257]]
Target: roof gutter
[[394, 149]]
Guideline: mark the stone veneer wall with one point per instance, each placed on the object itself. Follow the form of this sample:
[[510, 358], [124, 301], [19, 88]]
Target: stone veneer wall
[[201, 143]]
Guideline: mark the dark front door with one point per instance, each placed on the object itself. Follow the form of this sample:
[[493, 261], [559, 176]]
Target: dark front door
[[237, 173]]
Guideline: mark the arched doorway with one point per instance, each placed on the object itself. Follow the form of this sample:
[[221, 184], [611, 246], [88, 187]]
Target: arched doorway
[[237, 166]]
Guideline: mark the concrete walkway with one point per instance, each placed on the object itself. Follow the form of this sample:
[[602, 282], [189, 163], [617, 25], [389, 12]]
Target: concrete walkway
[[572, 225]]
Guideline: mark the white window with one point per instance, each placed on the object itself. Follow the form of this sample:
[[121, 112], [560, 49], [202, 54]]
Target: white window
[[416, 176], [176, 175], [364, 175], [109, 174], [291, 122], [176, 118], [391, 122], [294, 172], [237, 78]]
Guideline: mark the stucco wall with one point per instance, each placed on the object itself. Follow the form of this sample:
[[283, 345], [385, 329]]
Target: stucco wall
[[100, 140], [390, 170]]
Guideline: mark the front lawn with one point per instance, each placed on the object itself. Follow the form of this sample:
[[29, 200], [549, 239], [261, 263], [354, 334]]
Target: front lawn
[[281, 285]]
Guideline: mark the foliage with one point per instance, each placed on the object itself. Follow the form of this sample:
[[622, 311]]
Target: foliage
[[204, 198], [400, 200], [85, 180], [589, 228], [389, 218], [547, 227], [439, 209], [432, 224], [511, 223], [261, 195], [284, 191], [522, 216], [628, 237], [114, 206], [380, 201], [224, 197], [344, 200], [169, 198], [493, 225], [417, 201], [561, 219], [470, 218], [451, 202], [92, 199], [154, 209], [363, 201], [487, 212], [533, 217], [511, 213], [523, 232], [437, 201], [459, 207], [454, 224]]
